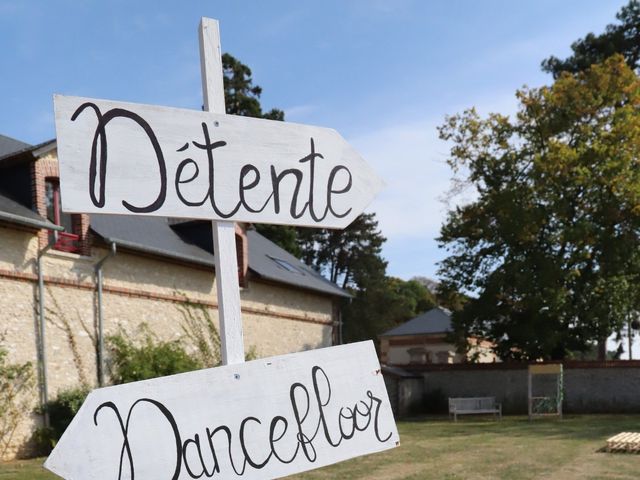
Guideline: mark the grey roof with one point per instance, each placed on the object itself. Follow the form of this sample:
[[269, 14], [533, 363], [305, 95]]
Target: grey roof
[[148, 234], [437, 320], [15, 147], [14, 212], [271, 262], [9, 146], [158, 235]]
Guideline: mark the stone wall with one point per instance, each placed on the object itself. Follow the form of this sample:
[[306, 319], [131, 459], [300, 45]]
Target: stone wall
[[137, 290], [589, 387]]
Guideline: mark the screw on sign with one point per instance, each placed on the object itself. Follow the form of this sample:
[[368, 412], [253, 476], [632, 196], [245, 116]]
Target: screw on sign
[[263, 419]]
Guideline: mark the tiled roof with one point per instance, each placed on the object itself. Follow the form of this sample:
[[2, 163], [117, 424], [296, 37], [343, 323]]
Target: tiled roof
[[148, 234], [14, 212], [271, 262], [437, 320], [161, 236], [9, 146]]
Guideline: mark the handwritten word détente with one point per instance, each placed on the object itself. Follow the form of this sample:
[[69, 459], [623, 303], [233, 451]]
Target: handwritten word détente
[[249, 177]]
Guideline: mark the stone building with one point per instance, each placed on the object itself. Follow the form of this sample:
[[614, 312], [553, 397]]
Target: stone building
[[151, 268], [425, 340]]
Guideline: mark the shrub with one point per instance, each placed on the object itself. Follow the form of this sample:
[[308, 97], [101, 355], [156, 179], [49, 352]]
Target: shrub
[[61, 411], [15, 381], [132, 361], [202, 333]]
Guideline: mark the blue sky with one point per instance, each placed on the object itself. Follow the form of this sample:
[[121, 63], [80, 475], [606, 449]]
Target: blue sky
[[382, 73]]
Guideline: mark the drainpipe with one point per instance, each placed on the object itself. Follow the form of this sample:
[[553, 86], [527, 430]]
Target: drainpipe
[[42, 364], [100, 346]]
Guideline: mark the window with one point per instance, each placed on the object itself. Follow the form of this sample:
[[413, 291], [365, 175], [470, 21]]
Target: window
[[419, 355], [287, 266], [68, 241], [442, 357]]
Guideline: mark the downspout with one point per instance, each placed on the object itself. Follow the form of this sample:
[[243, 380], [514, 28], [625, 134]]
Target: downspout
[[100, 343], [42, 363]]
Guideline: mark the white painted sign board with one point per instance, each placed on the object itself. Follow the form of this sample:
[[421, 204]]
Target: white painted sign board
[[261, 419], [125, 158]]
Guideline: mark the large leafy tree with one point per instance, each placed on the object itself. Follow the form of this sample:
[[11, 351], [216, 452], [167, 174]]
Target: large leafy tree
[[622, 38], [549, 249]]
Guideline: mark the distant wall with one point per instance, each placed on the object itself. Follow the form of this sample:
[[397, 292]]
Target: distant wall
[[589, 387]]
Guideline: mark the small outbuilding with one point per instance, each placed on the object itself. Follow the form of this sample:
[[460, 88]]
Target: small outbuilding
[[425, 340]]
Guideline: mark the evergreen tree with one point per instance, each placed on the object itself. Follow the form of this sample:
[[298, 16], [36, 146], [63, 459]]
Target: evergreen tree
[[622, 38]]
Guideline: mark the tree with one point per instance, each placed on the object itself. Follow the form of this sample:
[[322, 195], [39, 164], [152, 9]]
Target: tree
[[622, 38], [242, 97], [348, 256], [382, 303], [549, 249], [444, 295]]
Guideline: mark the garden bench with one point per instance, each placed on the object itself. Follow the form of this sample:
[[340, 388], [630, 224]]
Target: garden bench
[[473, 405]]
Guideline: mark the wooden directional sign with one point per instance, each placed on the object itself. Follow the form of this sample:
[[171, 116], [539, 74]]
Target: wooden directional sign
[[262, 419], [138, 159]]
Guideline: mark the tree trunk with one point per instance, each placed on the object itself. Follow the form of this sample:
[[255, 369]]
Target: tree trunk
[[602, 349]]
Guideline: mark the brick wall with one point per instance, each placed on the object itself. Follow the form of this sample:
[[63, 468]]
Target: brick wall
[[47, 168]]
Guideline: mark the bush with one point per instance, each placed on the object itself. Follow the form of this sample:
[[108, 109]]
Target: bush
[[201, 332], [61, 411], [15, 381], [150, 358]]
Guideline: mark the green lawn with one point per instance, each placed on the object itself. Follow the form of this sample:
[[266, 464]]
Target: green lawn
[[474, 448]]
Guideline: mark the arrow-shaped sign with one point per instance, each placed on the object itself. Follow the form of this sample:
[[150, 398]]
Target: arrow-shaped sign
[[139, 159], [262, 419]]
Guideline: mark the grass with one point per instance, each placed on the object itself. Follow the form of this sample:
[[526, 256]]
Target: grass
[[474, 448]]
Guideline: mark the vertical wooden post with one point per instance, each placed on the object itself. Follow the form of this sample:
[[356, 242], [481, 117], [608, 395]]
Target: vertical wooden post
[[224, 240]]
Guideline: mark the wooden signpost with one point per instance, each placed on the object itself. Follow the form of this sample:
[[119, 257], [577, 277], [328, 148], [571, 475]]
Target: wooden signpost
[[262, 419]]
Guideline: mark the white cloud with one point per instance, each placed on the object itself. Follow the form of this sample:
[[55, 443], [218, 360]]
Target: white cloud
[[411, 159]]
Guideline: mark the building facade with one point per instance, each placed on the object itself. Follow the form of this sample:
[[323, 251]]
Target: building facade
[[425, 340]]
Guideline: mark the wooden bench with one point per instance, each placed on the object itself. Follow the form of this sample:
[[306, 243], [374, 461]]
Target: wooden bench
[[624, 442], [473, 405]]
